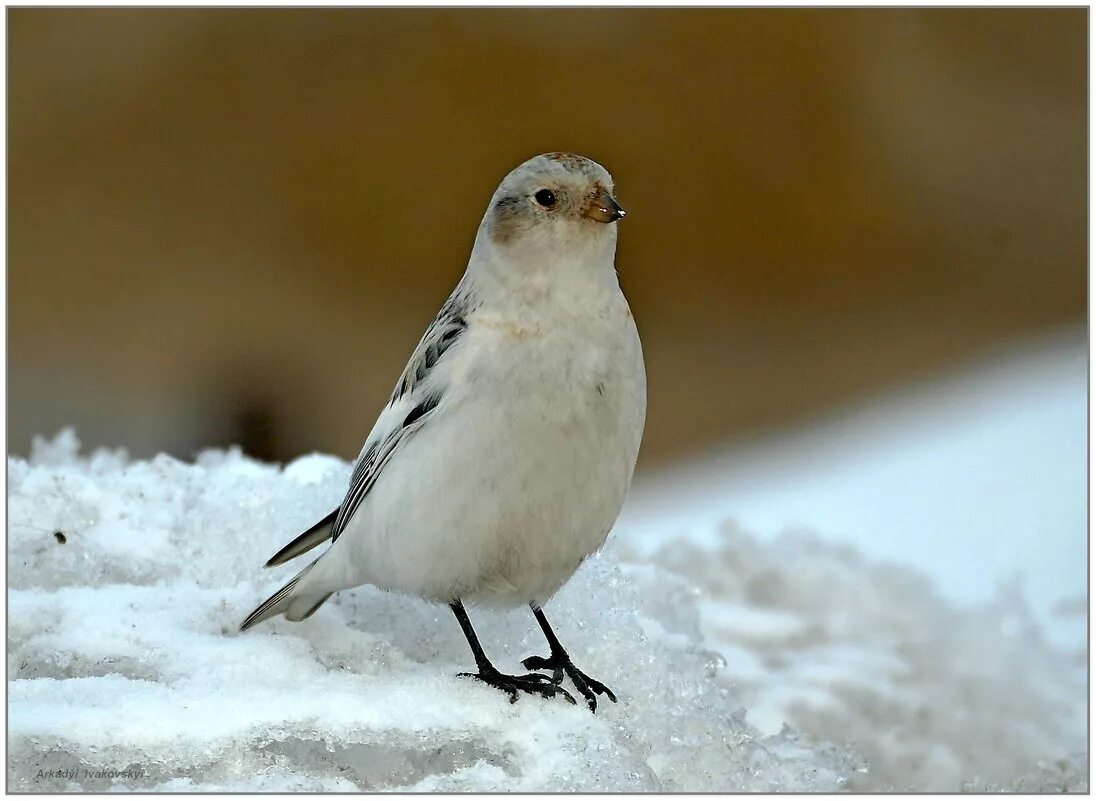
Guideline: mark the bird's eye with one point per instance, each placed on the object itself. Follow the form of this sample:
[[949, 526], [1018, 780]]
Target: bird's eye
[[546, 198]]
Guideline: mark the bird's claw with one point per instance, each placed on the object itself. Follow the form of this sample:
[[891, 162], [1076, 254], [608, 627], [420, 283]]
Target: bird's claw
[[540, 663], [561, 663], [532, 683]]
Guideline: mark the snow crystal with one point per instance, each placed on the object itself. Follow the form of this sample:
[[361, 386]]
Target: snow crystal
[[128, 579]]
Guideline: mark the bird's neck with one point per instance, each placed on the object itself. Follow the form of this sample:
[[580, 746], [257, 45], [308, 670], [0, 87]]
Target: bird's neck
[[558, 287]]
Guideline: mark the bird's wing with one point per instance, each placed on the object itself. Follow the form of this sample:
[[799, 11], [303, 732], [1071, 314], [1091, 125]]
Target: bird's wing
[[378, 454], [416, 395], [306, 541], [439, 337], [409, 407]]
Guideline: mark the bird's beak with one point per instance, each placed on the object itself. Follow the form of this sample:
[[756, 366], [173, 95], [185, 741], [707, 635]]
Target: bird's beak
[[602, 207]]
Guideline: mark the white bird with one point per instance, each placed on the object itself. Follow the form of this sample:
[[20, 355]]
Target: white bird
[[504, 454]]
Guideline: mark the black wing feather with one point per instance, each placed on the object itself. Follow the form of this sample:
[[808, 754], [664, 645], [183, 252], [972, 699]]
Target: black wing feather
[[306, 541]]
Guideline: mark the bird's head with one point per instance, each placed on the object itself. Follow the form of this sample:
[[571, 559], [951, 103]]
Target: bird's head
[[554, 207]]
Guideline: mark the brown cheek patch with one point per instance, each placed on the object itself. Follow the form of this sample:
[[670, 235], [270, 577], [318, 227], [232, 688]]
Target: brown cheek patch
[[506, 220]]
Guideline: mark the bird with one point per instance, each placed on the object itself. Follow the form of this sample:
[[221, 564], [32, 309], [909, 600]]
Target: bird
[[503, 456]]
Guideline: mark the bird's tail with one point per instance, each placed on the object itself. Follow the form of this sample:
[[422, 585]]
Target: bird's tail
[[295, 607]]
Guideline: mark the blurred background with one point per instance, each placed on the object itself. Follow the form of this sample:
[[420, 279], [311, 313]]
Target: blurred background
[[231, 226]]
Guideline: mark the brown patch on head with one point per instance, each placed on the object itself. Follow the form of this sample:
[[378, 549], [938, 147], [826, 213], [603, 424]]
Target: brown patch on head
[[574, 163], [569, 160], [506, 219]]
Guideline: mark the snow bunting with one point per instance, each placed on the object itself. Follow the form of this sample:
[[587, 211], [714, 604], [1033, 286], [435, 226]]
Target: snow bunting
[[503, 456]]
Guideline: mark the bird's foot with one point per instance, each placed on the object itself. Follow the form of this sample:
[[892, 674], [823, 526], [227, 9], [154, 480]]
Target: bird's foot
[[559, 664], [532, 683]]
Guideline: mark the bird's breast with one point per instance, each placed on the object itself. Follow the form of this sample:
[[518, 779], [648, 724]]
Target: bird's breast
[[564, 376]]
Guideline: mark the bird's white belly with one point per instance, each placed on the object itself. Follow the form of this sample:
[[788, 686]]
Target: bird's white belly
[[517, 480]]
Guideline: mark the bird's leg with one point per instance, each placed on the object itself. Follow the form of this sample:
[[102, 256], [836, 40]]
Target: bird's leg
[[488, 674], [559, 663]]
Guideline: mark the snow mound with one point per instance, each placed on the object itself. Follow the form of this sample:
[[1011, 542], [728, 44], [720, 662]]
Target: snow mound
[[127, 581], [124, 657]]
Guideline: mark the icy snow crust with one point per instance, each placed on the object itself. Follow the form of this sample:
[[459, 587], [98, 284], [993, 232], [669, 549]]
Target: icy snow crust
[[124, 655]]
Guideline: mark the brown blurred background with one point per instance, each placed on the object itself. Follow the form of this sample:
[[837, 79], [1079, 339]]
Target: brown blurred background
[[233, 225]]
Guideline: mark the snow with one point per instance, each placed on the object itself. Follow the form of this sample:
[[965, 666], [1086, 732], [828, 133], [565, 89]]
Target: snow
[[744, 658], [124, 656]]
